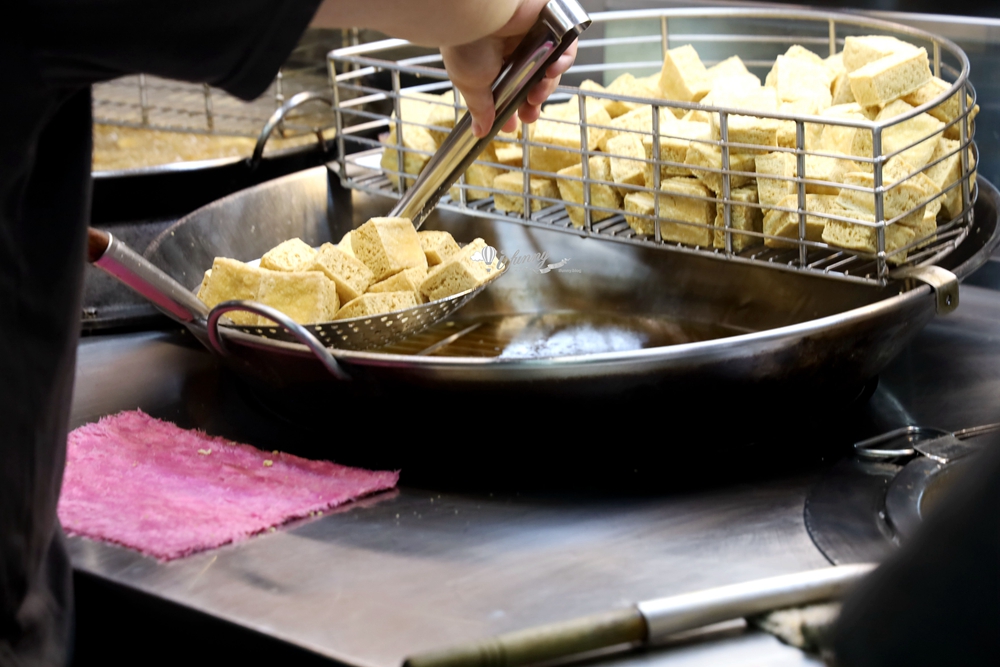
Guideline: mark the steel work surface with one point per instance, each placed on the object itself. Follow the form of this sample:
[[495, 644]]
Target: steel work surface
[[438, 563]]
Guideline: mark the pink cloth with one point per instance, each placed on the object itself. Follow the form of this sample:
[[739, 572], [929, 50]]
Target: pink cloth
[[168, 492]]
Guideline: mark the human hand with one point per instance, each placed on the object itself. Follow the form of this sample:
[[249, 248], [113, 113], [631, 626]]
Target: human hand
[[475, 65], [474, 37]]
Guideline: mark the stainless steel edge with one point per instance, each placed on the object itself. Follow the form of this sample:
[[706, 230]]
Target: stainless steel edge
[[667, 616]]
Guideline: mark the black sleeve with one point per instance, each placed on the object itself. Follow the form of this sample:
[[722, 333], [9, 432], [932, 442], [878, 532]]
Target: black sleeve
[[236, 45]]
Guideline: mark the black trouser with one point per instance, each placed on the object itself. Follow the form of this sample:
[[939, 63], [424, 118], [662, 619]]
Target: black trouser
[[42, 232]]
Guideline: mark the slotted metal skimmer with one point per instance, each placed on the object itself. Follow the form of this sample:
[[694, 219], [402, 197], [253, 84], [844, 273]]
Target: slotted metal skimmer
[[370, 331]]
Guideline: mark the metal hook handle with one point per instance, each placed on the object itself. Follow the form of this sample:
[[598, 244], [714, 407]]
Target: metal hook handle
[[868, 449], [558, 26], [296, 329], [279, 115]]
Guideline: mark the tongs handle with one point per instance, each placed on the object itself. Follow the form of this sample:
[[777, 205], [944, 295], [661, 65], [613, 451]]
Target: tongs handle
[[558, 26], [108, 253]]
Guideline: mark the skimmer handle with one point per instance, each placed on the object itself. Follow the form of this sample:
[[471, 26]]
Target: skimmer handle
[[558, 26]]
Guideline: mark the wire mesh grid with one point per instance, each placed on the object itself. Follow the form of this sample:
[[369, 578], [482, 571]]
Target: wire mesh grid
[[146, 101], [845, 192]]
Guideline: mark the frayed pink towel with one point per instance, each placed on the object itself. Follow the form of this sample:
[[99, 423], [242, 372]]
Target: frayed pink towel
[[168, 492]]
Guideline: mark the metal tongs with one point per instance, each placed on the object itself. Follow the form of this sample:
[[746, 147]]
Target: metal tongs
[[557, 27]]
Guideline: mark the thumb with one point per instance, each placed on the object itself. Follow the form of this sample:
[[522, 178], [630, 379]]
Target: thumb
[[472, 68]]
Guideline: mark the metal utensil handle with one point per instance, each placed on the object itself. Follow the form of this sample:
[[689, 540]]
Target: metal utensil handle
[[114, 257], [559, 24], [296, 329], [648, 622], [667, 616], [279, 115]]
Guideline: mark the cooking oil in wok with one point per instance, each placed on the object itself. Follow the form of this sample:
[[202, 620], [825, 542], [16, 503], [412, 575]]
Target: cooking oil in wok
[[539, 335]]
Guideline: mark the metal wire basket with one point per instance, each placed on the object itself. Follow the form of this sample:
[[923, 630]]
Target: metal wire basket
[[688, 202]]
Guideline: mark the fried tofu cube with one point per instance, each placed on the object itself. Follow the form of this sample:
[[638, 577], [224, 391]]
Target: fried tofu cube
[[513, 182], [799, 52], [786, 224], [830, 170], [883, 81], [232, 280], [683, 76], [418, 146], [477, 174], [292, 255], [351, 276], [560, 134], [377, 303], [438, 246], [905, 195], [731, 67], [947, 172], [841, 89], [637, 121], [918, 135], [787, 131], [629, 86], [345, 245], [744, 218], [925, 232], [796, 79], [681, 201], [418, 142], [307, 297], [601, 196], [674, 143], [751, 130], [387, 246], [854, 236], [626, 171], [463, 271], [771, 191], [948, 110], [407, 280], [706, 164], [442, 116], [859, 51], [511, 155], [842, 138]]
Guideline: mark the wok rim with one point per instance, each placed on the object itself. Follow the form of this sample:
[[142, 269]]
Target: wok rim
[[736, 345]]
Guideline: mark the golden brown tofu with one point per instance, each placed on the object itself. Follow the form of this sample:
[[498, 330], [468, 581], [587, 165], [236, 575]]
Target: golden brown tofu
[[292, 255], [377, 303], [387, 246], [684, 77], [686, 214], [232, 280], [408, 280], [513, 182], [883, 81], [601, 196], [743, 218], [463, 271], [351, 276], [307, 297], [438, 246]]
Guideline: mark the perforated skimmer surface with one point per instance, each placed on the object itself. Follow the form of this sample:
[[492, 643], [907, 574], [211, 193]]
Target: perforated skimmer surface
[[363, 333]]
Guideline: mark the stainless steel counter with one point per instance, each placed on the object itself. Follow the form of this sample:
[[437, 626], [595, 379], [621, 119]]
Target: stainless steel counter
[[428, 566]]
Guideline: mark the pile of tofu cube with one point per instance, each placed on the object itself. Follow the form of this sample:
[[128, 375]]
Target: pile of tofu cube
[[383, 266], [874, 78]]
